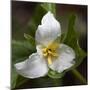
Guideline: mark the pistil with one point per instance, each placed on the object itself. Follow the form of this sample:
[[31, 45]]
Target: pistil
[[49, 59], [49, 53]]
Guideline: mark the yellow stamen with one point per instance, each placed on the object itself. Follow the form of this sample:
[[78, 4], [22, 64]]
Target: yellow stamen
[[49, 60], [45, 54], [50, 51]]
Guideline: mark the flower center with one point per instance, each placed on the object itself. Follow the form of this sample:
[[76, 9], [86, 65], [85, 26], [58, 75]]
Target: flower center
[[50, 52]]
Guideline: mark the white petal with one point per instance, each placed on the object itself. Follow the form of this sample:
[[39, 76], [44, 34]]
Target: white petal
[[33, 67], [49, 29], [65, 59], [39, 50]]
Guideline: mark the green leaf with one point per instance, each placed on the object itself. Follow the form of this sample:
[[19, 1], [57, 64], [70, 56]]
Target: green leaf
[[71, 39], [79, 76], [21, 49], [30, 39], [39, 82], [24, 44], [21, 80], [49, 7], [14, 76], [35, 20]]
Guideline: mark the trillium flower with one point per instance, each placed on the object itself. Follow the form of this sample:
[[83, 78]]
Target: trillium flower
[[50, 54]]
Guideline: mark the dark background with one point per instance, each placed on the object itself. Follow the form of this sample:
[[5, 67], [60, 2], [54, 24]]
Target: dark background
[[21, 14]]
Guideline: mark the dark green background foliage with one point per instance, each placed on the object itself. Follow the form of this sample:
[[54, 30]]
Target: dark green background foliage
[[23, 41]]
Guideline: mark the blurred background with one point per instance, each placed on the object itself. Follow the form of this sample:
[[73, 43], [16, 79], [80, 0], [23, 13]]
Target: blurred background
[[22, 13]]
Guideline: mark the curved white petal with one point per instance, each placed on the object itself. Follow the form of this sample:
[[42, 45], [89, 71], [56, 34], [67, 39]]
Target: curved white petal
[[33, 67], [39, 50], [65, 59], [49, 29]]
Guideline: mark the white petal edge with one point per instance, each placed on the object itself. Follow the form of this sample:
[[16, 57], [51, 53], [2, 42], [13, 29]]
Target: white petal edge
[[33, 67], [65, 59], [49, 29], [39, 50]]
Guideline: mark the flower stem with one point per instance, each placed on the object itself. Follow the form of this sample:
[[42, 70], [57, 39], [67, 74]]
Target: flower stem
[[57, 82], [79, 76]]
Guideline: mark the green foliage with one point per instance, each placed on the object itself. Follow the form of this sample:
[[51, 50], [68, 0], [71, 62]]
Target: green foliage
[[30, 39], [49, 7]]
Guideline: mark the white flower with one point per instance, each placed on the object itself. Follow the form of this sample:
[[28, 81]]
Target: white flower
[[50, 54]]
